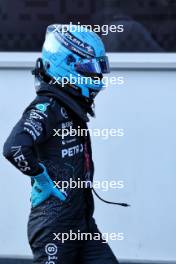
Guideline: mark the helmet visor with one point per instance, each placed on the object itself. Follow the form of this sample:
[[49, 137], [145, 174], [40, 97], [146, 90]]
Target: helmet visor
[[93, 67]]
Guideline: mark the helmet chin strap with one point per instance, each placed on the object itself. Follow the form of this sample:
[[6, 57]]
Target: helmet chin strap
[[108, 202]]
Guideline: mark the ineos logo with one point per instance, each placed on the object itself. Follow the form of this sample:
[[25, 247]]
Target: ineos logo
[[51, 249]]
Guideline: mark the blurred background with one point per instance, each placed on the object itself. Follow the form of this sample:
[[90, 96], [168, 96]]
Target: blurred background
[[144, 106], [149, 25]]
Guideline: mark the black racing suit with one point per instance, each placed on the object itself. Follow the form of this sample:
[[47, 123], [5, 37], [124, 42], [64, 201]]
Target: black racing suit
[[36, 138]]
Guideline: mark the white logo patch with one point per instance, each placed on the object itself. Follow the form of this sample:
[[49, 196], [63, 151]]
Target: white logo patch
[[51, 250]]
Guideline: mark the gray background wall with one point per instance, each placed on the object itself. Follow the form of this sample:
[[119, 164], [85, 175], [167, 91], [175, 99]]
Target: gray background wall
[[145, 159]]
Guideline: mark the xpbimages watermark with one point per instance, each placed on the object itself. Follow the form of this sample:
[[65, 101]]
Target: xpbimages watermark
[[81, 236], [104, 133], [101, 29], [86, 80], [104, 185]]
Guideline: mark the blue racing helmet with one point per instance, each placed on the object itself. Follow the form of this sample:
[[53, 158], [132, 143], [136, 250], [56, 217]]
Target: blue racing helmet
[[75, 56]]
